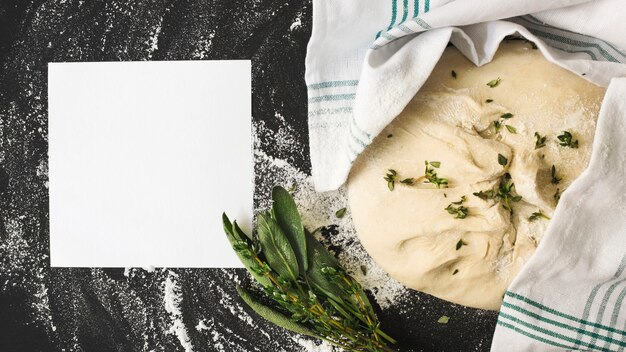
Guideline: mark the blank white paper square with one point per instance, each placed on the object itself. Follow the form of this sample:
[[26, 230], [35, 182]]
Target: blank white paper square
[[143, 159]]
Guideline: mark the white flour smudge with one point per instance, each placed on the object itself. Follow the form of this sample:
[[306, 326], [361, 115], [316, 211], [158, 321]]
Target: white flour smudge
[[315, 345], [296, 24], [172, 299]]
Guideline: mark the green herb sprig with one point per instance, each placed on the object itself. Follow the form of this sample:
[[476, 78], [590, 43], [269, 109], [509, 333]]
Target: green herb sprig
[[431, 175], [306, 289], [460, 211], [392, 177], [541, 141], [567, 140], [537, 215], [497, 124], [504, 193]]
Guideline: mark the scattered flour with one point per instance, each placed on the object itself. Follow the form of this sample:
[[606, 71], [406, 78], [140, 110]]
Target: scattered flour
[[172, 299], [296, 24]]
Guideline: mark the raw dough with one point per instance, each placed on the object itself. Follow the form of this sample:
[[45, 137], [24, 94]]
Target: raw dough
[[408, 232]]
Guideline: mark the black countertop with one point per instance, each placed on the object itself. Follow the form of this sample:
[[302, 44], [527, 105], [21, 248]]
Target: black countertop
[[44, 309]]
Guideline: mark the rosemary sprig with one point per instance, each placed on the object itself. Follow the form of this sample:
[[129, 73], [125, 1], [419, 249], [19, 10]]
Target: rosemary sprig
[[567, 140], [541, 141], [431, 175], [504, 193], [555, 179], [309, 291], [538, 214], [461, 211]]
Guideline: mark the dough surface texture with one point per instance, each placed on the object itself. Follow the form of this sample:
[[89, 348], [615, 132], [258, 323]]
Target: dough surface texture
[[408, 230]]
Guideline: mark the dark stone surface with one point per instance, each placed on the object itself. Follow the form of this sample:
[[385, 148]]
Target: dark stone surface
[[44, 309]]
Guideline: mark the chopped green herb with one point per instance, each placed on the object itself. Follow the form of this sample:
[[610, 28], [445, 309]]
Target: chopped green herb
[[484, 195], [489, 101], [536, 215], [431, 175], [502, 160], [493, 82], [408, 181], [364, 269], [391, 177], [510, 128], [455, 271], [453, 74], [463, 199], [497, 124], [460, 244], [555, 179], [340, 213], [444, 319], [557, 196], [389, 135], [541, 141], [508, 115], [505, 193], [567, 140], [460, 212]]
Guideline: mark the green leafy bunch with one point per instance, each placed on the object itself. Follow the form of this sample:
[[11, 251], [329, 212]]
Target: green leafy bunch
[[308, 290]]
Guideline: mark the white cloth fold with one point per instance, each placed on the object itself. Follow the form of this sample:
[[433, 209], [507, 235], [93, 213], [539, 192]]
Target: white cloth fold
[[367, 58]]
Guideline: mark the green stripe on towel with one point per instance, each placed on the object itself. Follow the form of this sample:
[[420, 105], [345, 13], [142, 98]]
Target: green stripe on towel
[[334, 97], [331, 84], [531, 335], [533, 315], [550, 333], [560, 314]]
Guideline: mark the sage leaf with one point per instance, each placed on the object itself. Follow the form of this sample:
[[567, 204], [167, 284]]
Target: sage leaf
[[276, 248], [287, 215], [273, 315], [319, 258]]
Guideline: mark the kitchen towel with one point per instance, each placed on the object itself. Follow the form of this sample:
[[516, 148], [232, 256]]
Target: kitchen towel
[[571, 293], [366, 59]]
